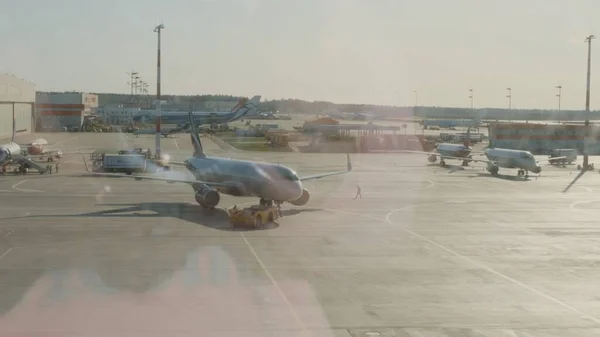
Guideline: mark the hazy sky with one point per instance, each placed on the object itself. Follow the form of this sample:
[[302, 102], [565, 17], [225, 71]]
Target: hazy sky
[[345, 51]]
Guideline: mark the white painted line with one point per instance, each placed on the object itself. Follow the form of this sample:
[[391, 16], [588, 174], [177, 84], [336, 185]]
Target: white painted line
[[275, 284], [487, 268], [8, 234], [5, 253], [176, 145], [23, 189]]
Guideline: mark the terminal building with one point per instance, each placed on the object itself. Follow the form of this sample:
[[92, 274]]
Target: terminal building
[[118, 114], [55, 111], [542, 138], [17, 99]]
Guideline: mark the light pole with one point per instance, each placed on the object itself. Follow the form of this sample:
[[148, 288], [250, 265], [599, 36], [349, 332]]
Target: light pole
[[587, 101], [416, 98], [471, 97], [157, 30], [131, 82], [509, 96], [559, 87]]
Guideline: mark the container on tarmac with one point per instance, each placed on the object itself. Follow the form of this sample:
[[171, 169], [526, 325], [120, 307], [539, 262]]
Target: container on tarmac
[[125, 163]]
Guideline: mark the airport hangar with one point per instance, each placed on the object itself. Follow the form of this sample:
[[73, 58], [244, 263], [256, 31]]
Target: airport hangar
[[55, 111], [17, 100]]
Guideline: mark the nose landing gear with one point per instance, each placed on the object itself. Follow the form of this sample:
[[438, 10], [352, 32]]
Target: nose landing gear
[[264, 202]]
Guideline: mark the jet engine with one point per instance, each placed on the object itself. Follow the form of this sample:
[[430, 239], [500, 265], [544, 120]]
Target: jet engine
[[303, 199], [207, 197], [432, 158], [537, 169], [493, 169]]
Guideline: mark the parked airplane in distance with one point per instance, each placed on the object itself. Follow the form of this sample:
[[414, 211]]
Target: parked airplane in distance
[[272, 183], [498, 158], [164, 132], [450, 151], [507, 158], [244, 108], [23, 154]]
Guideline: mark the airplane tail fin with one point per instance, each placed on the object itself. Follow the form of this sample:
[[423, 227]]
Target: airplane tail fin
[[239, 105], [467, 141], [248, 107], [198, 150], [14, 130]]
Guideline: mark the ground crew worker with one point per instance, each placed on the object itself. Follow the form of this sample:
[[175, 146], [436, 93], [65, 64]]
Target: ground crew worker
[[56, 168], [50, 169], [358, 195]]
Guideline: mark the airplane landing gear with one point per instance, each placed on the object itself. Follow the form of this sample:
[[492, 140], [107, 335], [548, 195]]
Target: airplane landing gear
[[442, 162], [278, 205], [523, 173], [264, 202]]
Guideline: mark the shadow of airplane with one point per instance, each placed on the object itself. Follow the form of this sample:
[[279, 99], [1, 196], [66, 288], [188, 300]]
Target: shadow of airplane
[[217, 219], [450, 168], [196, 214], [501, 176]]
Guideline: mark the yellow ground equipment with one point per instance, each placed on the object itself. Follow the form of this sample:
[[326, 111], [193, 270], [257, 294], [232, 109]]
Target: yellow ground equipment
[[253, 216]]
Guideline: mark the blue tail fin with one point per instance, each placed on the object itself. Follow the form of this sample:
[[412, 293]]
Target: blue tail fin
[[198, 150]]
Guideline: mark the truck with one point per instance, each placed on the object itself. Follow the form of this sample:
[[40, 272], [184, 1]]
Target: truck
[[124, 163], [570, 155], [253, 217]]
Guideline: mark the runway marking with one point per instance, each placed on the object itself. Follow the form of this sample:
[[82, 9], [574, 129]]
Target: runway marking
[[485, 267], [275, 284], [5, 253], [8, 234], [23, 189], [573, 205], [176, 145]]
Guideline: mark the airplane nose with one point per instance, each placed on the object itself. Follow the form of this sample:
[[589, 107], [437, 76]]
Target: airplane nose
[[537, 169]]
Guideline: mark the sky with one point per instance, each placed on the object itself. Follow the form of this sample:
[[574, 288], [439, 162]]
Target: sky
[[391, 52]]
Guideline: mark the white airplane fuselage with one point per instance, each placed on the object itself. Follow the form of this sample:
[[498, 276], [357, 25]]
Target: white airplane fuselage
[[264, 180], [451, 150], [9, 152], [507, 158]]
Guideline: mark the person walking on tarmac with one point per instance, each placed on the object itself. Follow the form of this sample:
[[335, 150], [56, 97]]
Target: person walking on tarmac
[[358, 195], [56, 168]]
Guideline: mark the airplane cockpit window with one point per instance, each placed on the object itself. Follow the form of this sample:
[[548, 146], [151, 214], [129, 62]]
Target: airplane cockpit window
[[287, 174], [526, 155]]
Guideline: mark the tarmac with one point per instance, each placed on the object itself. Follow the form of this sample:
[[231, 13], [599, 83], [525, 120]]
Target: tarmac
[[427, 251]]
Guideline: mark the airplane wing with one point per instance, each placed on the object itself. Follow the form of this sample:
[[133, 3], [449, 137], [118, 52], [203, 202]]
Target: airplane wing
[[417, 152], [322, 175], [157, 178]]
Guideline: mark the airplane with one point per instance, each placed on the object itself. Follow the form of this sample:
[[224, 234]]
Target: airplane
[[23, 154], [272, 183], [165, 133], [450, 151], [243, 108], [507, 158]]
